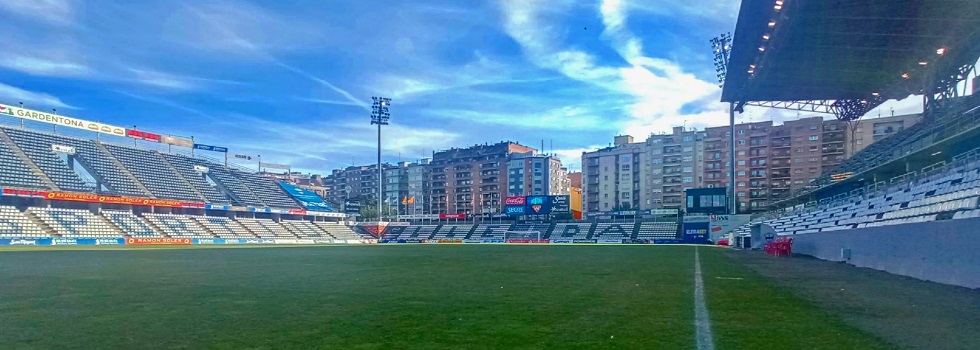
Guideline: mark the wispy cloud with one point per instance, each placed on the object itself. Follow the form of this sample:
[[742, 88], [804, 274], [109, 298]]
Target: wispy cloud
[[57, 12], [32, 99]]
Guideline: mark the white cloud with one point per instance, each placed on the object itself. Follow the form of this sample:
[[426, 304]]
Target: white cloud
[[571, 158], [31, 98], [51, 11], [43, 66]]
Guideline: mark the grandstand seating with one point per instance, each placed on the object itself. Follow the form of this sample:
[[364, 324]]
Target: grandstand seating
[[265, 228], [94, 159], [304, 229], [571, 231], [14, 172], [38, 150], [14, 224], [185, 166], [453, 232], [223, 227], [423, 232], [657, 230], [338, 231], [173, 225], [267, 189], [153, 172], [951, 194], [490, 231], [129, 223], [75, 223], [613, 230]]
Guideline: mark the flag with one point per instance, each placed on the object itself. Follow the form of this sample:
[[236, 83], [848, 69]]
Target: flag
[[6, 110], [411, 200], [404, 200]]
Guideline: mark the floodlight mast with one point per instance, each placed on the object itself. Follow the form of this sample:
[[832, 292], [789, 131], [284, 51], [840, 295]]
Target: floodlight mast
[[722, 45], [380, 116]]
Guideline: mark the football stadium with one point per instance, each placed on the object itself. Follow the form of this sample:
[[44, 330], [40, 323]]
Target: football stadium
[[119, 237]]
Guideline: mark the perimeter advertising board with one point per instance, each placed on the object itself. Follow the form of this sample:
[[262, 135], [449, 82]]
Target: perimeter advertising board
[[60, 120], [561, 204]]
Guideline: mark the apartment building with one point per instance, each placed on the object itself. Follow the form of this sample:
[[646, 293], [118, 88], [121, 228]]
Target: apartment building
[[471, 180], [536, 174], [613, 176], [674, 164]]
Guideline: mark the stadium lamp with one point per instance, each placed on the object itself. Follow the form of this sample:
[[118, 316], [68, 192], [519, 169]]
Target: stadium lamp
[[379, 117]]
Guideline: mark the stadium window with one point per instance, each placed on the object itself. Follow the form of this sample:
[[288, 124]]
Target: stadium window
[[741, 173], [687, 138], [688, 179], [741, 142], [741, 132], [741, 194], [625, 167], [741, 184], [741, 162], [688, 169], [813, 127], [814, 138]]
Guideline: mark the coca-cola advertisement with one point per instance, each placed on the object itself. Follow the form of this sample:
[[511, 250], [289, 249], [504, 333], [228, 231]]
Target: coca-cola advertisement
[[515, 200]]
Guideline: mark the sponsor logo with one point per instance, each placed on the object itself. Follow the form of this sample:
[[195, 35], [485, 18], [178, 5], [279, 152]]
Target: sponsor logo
[[562, 241], [23, 242], [515, 200], [162, 241]]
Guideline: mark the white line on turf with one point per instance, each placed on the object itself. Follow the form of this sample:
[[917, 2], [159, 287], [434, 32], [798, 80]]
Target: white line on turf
[[702, 323]]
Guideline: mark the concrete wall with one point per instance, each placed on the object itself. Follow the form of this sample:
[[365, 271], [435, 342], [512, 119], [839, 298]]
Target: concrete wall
[[943, 251]]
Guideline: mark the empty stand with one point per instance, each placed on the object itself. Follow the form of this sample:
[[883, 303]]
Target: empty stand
[[491, 231], [130, 224], [185, 166], [14, 224], [338, 231], [38, 149], [571, 231], [304, 229], [150, 169], [265, 228], [223, 227], [14, 172], [267, 189], [178, 226], [453, 232], [74, 223], [613, 230], [657, 230]]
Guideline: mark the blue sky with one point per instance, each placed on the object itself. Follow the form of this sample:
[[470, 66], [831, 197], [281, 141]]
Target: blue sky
[[292, 80]]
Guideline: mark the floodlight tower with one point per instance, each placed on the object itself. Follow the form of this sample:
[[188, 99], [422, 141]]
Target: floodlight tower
[[380, 116], [722, 45]]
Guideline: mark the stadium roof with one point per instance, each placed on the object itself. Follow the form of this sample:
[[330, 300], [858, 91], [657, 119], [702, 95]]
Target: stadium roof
[[836, 49]]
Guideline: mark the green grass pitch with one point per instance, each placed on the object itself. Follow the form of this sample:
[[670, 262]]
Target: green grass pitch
[[399, 297]]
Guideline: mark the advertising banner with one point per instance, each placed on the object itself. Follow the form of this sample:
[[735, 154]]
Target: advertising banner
[[202, 169], [210, 148], [418, 217], [159, 241], [537, 205], [88, 241], [561, 204], [352, 207], [450, 241], [309, 199], [285, 241], [25, 241], [515, 201], [492, 241], [61, 120], [561, 241], [609, 241], [471, 241], [512, 210], [324, 214], [452, 216], [543, 241], [242, 156], [584, 241], [274, 166], [142, 135], [695, 232], [177, 141], [62, 149], [412, 240], [210, 241], [96, 198]]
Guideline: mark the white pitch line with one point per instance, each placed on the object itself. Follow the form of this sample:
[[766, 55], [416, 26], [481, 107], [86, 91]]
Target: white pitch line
[[702, 323]]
